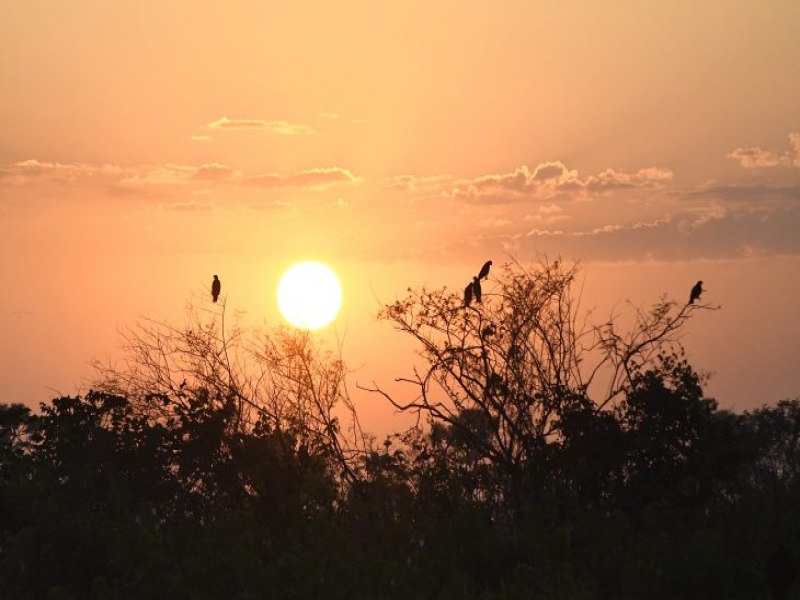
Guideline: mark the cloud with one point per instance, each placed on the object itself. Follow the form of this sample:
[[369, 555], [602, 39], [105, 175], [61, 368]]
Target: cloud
[[214, 172], [704, 215], [611, 179], [30, 171], [286, 128], [187, 207], [312, 179], [550, 170], [541, 182], [413, 184], [756, 157], [716, 220], [278, 127], [550, 209], [794, 141], [495, 222], [750, 194], [130, 179], [226, 123], [547, 214], [711, 234], [171, 174], [546, 181]]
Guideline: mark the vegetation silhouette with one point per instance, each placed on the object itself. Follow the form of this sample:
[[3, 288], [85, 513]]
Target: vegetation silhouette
[[553, 458], [780, 572]]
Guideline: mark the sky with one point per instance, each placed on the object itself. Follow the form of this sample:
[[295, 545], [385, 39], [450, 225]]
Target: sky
[[148, 145]]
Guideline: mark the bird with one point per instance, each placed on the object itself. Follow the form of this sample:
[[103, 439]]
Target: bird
[[696, 291], [468, 294], [485, 270], [476, 289], [216, 286]]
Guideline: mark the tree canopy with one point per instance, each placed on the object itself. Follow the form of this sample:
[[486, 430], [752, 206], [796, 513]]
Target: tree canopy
[[553, 458]]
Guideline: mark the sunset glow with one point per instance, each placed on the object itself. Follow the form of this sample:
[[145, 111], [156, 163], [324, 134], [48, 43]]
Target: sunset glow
[[147, 146], [419, 299]]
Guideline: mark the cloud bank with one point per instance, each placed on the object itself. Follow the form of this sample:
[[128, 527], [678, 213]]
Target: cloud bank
[[756, 157], [29, 173], [546, 181]]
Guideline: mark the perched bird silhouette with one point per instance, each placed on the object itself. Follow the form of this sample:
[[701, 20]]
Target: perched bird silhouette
[[468, 294], [485, 270], [696, 291], [476, 289], [216, 286]]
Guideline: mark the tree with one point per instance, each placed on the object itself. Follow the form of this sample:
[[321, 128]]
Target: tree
[[280, 380], [561, 459], [525, 372]]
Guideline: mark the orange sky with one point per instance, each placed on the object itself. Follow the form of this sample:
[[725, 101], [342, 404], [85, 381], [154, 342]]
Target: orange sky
[[148, 145]]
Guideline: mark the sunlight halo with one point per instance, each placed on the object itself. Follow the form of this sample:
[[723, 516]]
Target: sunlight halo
[[309, 295]]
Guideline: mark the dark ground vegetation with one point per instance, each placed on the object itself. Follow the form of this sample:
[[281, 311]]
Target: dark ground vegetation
[[553, 460]]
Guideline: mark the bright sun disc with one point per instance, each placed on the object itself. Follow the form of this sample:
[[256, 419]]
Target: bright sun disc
[[309, 295]]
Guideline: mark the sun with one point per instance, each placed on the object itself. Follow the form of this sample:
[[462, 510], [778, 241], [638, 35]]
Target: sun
[[309, 295]]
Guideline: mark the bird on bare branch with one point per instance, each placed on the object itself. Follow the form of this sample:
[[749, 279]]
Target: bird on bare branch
[[484, 273], [476, 289], [216, 287], [696, 291], [473, 289]]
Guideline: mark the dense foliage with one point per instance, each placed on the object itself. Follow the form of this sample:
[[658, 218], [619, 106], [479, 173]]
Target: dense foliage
[[522, 480]]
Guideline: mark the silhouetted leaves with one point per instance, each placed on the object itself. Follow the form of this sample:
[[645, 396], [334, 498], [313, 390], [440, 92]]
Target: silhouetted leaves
[[189, 478]]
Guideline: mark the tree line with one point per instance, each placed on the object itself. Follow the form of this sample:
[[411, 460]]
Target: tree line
[[553, 457]]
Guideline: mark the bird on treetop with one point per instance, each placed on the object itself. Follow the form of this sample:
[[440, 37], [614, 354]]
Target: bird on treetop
[[696, 291], [216, 287], [468, 294], [485, 270], [476, 289]]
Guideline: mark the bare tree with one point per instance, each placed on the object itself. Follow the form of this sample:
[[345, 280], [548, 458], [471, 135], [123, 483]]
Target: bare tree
[[280, 379], [501, 374]]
